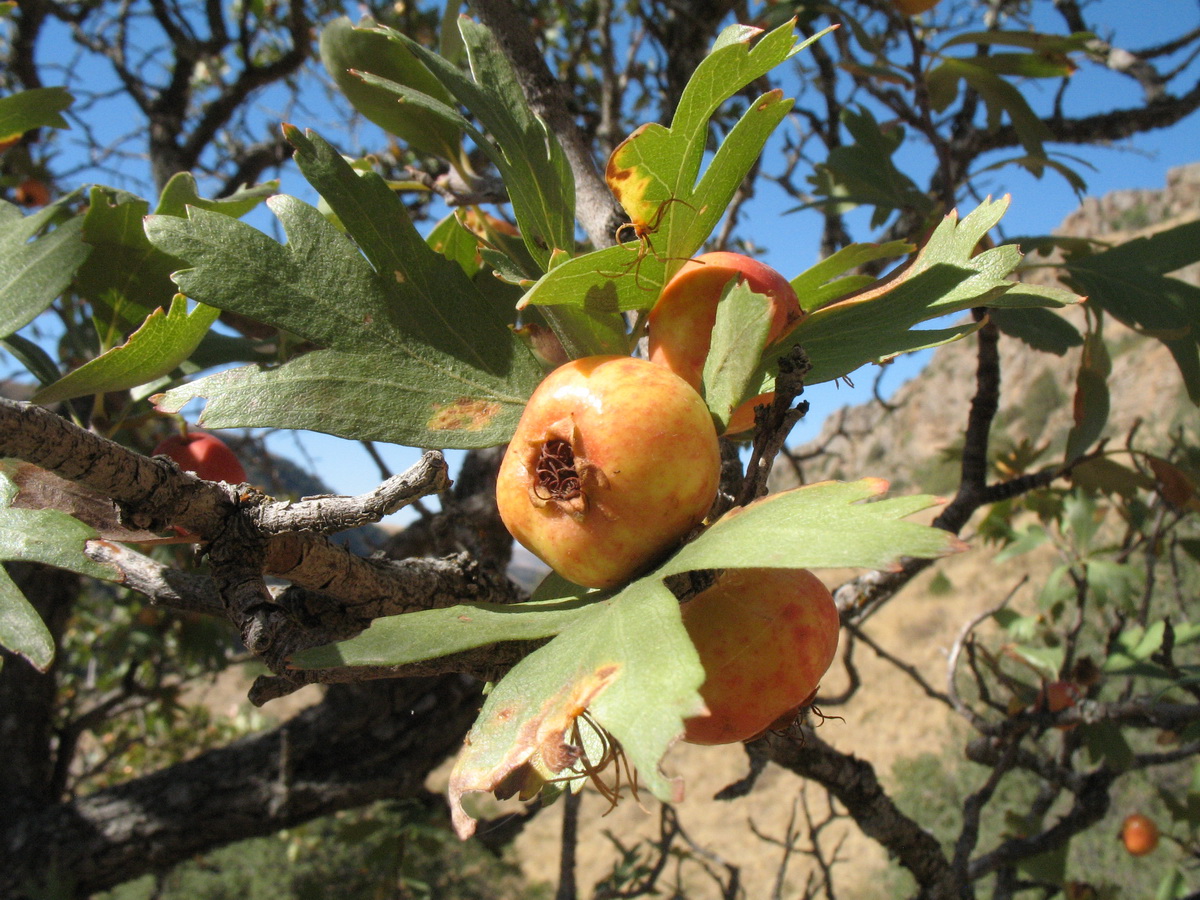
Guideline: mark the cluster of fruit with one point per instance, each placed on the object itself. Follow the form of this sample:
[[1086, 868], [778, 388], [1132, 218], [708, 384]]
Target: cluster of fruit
[[616, 460]]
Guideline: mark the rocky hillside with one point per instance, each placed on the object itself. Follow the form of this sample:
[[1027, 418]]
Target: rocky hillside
[[912, 439]]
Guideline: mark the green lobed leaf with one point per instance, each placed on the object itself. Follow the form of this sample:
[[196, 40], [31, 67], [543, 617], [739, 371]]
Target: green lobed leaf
[[738, 336], [126, 278], [1035, 165], [164, 341], [1002, 96], [35, 270], [863, 172], [825, 525], [413, 353], [44, 536], [627, 663], [35, 108], [946, 276], [428, 634], [1129, 282], [181, 192], [348, 52]]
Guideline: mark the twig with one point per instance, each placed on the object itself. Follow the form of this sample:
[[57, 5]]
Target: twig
[[568, 843], [956, 651], [910, 670]]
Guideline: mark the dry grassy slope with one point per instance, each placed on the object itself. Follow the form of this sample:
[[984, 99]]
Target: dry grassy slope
[[890, 718]]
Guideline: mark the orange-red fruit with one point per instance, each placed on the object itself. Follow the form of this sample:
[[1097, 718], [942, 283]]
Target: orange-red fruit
[[1139, 834], [208, 457], [765, 638], [32, 192], [614, 461], [1055, 697], [681, 323]]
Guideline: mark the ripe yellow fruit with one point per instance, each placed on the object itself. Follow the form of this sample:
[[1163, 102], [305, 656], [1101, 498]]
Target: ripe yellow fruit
[[614, 460]]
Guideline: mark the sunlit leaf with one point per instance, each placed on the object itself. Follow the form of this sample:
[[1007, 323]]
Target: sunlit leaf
[[819, 284], [655, 173], [428, 634], [163, 341], [35, 108], [825, 525], [348, 52], [739, 334], [946, 276]]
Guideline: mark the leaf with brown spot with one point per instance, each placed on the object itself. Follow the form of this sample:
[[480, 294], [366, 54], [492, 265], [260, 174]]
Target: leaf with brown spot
[[627, 663]]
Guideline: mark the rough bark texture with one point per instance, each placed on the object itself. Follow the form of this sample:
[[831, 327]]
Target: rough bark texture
[[362, 743]]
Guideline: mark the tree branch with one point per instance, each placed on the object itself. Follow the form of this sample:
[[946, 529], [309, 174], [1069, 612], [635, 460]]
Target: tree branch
[[362, 743]]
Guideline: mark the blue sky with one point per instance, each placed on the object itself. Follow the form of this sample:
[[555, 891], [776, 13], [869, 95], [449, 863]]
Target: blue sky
[[789, 242]]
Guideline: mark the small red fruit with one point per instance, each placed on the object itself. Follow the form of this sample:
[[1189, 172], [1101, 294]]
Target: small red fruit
[[681, 323], [31, 192], [765, 638], [1056, 696], [207, 456], [1139, 834], [613, 462]]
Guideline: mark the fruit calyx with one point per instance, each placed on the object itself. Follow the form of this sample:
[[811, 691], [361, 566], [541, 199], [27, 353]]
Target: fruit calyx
[[563, 476]]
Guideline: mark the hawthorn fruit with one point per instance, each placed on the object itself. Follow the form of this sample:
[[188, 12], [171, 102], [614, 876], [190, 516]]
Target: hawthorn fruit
[[681, 322], [614, 460], [206, 456], [765, 637], [1056, 696], [31, 192], [1139, 834]]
